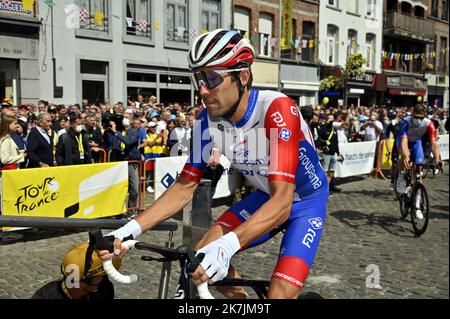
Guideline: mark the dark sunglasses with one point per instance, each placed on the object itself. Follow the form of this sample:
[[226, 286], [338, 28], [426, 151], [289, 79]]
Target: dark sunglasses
[[211, 79]]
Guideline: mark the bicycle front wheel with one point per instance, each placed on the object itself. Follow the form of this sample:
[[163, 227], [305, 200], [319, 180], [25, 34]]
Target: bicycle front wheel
[[420, 209], [404, 205]]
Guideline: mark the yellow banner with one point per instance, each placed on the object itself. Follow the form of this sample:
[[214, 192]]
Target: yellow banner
[[287, 23], [24, 7], [82, 191], [386, 155], [28, 5]]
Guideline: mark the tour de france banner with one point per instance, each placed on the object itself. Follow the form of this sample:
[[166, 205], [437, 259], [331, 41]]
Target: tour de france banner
[[443, 146], [168, 169], [359, 159], [82, 191]]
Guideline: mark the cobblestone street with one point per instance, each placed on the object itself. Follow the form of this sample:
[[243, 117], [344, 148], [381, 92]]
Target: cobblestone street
[[362, 228]]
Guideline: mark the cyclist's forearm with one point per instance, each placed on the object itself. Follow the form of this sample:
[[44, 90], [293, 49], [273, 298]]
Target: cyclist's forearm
[[270, 215], [436, 152], [171, 202]]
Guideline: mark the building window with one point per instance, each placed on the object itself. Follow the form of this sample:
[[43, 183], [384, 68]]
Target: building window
[[138, 20], [371, 8], [353, 41], [308, 34], [242, 20], [442, 57], [265, 26], [210, 14], [406, 7], [434, 8], [370, 50], [94, 77], [332, 44], [444, 15], [94, 15], [333, 3], [177, 21], [353, 6]]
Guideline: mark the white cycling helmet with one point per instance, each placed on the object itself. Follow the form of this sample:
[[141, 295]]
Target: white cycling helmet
[[220, 48]]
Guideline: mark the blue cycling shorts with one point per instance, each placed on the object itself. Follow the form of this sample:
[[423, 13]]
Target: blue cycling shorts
[[416, 149], [302, 232]]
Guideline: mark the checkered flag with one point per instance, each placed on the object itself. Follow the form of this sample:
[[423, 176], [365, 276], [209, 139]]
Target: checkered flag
[[274, 42], [193, 32], [82, 14], [142, 26], [6, 3]]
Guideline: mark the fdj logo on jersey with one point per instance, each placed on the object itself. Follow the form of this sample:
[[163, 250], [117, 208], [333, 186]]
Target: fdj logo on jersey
[[316, 223], [285, 134]]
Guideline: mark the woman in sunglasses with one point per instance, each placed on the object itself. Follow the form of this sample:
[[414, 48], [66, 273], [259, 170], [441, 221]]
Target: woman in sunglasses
[[265, 137]]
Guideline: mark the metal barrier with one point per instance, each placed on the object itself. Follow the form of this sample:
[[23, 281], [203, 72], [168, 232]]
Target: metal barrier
[[378, 170], [144, 178], [102, 150], [74, 223]]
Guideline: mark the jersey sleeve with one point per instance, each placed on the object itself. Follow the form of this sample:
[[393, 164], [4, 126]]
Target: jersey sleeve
[[282, 124], [402, 131], [431, 130], [201, 150]]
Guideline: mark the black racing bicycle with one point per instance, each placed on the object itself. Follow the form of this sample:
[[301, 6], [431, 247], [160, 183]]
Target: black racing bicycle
[[188, 263], [415, 200]]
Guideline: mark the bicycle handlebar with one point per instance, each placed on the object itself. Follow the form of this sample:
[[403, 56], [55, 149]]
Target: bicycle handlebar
[[114, 274], [203, 291]]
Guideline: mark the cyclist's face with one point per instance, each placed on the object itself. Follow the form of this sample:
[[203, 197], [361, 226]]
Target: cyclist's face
[[221, 99]]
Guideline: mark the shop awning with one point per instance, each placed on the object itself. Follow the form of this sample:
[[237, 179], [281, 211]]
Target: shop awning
[[409, 92]]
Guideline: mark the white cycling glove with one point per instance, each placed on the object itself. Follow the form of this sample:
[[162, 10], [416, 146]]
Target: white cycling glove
[[132, 228], [218, 254]]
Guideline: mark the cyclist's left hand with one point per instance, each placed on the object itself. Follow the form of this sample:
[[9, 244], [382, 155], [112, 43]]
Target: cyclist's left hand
[[216, 262]]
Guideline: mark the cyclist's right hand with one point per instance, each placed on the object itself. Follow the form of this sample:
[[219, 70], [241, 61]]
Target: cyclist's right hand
[[406, 162]]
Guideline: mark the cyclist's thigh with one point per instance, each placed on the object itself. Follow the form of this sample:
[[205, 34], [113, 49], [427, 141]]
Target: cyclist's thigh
[[417, 155], [241, 211], [301, 240]]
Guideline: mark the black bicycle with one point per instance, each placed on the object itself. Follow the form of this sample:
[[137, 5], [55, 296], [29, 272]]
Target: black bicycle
[[415, 200]]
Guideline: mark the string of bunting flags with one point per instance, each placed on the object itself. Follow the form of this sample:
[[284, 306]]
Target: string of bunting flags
[[413, 56], [182, 32]]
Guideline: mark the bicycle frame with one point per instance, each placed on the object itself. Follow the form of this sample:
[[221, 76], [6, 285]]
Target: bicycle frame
[[185, 256]]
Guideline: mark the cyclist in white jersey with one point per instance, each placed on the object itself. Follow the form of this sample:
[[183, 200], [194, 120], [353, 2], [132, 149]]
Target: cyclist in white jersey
[[265, 137]]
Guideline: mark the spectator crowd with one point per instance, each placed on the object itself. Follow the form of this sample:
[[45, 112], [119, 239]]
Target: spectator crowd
[[46, 134]]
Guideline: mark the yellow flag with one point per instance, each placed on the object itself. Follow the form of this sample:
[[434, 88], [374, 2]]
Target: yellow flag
[[98, 18], [27, 5], [434, 54], [156, 25], [287, 23], [205, 31], [311, 44]]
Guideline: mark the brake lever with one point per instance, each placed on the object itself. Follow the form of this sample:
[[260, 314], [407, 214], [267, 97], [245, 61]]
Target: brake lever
[[101, 242]]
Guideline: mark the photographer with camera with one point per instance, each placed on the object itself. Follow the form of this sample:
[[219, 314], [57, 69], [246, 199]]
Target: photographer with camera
[[94, 136], [130, 152], [328, 148]]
